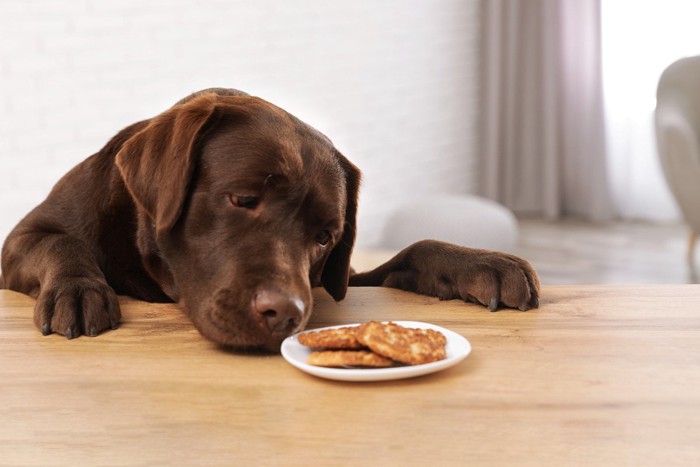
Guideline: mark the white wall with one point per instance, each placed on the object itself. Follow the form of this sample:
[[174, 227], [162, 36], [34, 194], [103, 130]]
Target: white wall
[[391, 82]]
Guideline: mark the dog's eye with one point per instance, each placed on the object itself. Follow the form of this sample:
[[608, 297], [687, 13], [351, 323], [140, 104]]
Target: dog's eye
[[245, 201], [323, 237]]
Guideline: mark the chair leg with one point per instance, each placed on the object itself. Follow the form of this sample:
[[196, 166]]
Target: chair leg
[[692, 240]]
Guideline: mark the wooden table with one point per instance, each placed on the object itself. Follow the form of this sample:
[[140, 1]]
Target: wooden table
[[599, 375]]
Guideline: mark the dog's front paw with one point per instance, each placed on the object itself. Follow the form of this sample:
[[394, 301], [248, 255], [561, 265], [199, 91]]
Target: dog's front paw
[[449, 271], [497, 280], [75, 306]]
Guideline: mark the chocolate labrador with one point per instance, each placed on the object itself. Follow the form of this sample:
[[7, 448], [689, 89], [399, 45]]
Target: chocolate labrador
[[233, 208]]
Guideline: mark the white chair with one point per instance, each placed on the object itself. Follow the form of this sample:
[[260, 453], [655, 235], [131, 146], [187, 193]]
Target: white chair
[[678, 138]]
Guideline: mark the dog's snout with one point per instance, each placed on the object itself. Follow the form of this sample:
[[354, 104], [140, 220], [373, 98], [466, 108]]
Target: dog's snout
[[281, 313]]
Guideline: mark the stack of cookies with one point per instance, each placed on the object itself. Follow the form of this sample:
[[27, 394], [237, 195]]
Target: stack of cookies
[[374, 345]]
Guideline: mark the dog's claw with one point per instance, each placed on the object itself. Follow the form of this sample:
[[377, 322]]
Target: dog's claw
[[493, 304], [69, 333], [92, 332], [46, 329]]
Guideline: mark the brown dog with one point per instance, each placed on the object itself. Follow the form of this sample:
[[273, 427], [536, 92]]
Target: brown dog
[[233, 208]]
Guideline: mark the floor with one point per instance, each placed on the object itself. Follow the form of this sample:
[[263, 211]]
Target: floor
[[572, 252], [616, 253]]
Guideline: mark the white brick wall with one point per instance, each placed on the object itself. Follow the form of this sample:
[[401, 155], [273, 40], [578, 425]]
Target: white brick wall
[[391, 82]]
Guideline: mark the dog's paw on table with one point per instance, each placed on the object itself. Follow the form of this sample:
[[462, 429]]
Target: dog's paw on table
[[448, 271]]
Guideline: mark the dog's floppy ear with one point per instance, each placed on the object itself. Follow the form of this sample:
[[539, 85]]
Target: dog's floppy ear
[[157, 163], [336, 272]]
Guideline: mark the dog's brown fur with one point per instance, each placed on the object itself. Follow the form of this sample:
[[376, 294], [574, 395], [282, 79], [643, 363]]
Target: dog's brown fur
[[234, 208]]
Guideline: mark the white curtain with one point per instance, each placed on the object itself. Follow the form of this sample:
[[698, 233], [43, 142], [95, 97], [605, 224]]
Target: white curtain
[[640, 39], [543, 144]]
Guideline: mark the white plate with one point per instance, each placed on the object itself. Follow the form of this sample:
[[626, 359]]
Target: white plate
[[457, 349]]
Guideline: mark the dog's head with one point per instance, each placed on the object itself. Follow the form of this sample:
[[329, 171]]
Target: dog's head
[[242, 209]]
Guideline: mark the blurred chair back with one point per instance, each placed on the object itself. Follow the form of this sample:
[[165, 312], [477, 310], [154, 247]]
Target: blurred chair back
[[678, 137]]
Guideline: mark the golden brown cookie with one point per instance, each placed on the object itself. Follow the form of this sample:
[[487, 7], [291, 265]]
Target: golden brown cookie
[[337, 338], [345, 358], [406, 345]]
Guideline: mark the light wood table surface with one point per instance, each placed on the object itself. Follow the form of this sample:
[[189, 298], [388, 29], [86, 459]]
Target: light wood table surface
[[599, 375]]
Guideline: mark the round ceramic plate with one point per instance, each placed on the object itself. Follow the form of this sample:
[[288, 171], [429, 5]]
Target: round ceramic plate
[[457, 349]]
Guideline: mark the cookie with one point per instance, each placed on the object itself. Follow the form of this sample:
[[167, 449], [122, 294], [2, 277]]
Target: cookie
[[337, 338], [405, 345], [345, 358]]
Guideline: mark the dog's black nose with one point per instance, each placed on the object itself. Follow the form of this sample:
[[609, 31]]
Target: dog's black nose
[[282, 313]]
